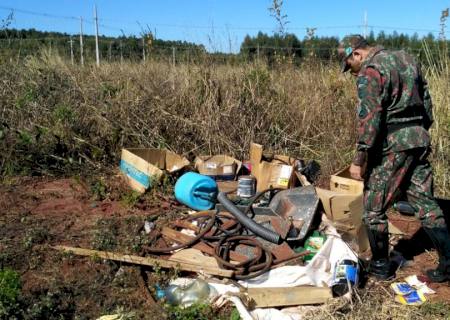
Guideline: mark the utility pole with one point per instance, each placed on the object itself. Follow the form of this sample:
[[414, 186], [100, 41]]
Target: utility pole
[[81, 41], [71, 50], [365, 25], [97, 53]]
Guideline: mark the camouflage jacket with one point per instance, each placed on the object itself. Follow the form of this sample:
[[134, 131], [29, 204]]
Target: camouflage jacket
[[394, 110]]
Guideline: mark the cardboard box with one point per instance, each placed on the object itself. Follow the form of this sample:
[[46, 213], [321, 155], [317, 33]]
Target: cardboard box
[[219, 167], [345, 210], [142, 166], [343, 182], [277, 173]]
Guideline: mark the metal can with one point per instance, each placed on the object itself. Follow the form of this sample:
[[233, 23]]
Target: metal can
[[246, 186], [346, 275]]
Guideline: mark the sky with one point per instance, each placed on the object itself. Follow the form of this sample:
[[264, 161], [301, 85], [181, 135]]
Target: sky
[[221, 25]]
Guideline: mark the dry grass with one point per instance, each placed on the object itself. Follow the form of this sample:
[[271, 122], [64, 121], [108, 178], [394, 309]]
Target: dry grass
[[63, 118], [378, 303]]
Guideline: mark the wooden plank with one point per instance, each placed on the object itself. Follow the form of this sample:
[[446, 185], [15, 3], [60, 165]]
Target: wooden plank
[[147, 261], [277, 297], [203, 247], [194, 256]]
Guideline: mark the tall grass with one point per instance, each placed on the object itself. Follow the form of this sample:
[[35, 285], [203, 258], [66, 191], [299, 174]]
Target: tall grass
[[438, 75], [59, 118]]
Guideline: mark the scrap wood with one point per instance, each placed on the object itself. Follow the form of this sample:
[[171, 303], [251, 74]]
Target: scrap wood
[[277, 297], [203, 247], [147, 261], [193, 256]]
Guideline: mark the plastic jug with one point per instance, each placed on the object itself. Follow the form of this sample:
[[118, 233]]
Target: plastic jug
[[196, 191]]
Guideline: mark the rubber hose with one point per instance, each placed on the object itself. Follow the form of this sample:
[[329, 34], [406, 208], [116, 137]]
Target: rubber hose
[[253, 226]]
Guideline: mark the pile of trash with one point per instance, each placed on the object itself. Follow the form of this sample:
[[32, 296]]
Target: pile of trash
[[259, 234]]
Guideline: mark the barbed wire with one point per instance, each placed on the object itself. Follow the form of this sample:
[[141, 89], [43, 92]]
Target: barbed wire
[[211, 27]]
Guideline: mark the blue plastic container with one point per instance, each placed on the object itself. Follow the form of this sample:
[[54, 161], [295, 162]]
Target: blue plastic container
[[196, 191]]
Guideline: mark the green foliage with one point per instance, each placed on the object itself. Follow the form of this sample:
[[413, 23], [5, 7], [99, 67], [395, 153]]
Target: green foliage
[[35, 236], [99, 190], [9, 292], [63, 113], [131, 198], [193, 312], [105, 235]]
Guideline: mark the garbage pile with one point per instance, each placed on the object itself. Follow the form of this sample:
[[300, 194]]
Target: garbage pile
[[259, 222]]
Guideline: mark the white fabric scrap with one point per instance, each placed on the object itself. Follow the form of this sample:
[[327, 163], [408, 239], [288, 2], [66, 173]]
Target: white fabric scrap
[[319, 272]]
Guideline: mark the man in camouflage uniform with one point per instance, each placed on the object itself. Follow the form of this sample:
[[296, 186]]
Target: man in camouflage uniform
[[394, 114]]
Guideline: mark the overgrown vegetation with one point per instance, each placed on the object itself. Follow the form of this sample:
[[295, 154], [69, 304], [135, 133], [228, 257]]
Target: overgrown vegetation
[[60, 119]]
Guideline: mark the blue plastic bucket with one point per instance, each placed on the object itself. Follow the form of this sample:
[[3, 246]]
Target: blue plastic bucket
[[196, 191]]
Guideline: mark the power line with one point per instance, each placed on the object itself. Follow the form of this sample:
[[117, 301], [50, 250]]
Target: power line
[[229, 27]]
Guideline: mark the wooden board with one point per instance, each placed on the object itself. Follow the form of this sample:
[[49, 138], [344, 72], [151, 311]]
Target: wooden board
[[147, 261], [180, 237], [277, 297], [194, 256]]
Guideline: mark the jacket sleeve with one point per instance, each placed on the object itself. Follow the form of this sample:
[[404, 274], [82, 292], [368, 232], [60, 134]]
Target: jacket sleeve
[[369, 111]]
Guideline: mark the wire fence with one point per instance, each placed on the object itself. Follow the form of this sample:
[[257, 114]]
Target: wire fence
[[138, 48]]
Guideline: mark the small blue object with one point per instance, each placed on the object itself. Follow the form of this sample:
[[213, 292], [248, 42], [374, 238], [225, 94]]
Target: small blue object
[[160, 293], [196, 191]]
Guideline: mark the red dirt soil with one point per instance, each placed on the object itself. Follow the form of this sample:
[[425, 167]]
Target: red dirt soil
[[37, 213]]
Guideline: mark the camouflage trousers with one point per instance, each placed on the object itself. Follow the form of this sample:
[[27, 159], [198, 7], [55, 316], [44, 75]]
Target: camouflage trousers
[[398, 173]]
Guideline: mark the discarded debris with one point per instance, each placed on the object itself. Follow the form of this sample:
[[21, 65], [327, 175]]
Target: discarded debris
[[147, 261]]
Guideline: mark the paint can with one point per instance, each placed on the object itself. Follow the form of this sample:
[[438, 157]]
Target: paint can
[[346, 275], [246, 186]]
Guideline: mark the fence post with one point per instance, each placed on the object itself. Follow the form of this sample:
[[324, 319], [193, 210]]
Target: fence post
[[81, 42], [97, 53], [71, 50]]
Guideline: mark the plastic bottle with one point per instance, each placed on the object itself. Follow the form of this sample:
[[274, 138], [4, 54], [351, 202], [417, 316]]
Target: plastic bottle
[[196, 291]]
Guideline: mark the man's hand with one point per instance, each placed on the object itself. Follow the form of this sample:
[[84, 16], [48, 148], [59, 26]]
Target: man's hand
[[357, 172]]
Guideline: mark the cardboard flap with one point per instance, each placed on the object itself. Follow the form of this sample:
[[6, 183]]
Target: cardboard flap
[[174, 162], [217, 165]]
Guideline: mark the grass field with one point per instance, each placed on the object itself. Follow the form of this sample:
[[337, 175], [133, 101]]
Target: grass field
[[58, 118]]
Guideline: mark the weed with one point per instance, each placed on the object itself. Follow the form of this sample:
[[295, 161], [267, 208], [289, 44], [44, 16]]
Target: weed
[[105, 235], [131, 198], [99, 190], [193, 312], [37, 235], [9, 293]]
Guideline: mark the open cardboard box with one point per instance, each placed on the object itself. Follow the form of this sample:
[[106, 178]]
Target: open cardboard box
[[219, 167], [278, 173], [345, 210], [343, 182], [142, 166]]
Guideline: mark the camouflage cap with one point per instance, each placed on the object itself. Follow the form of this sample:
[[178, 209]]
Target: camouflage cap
[[347, 46]]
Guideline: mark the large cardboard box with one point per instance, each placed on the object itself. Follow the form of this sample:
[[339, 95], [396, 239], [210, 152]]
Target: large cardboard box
[[219, 167], [142, 166], [277, 173], [345, 210], [343, 182]]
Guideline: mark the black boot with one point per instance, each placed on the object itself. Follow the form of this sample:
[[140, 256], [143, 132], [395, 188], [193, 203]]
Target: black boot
[[380, 266], [441, 240]]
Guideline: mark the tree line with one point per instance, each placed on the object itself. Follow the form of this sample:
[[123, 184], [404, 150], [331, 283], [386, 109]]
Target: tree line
[[269, 47]]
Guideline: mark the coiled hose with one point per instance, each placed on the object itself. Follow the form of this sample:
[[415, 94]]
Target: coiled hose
[[253, 226]]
